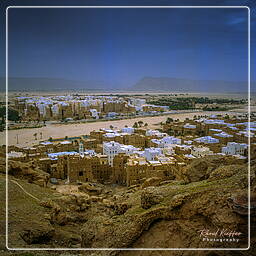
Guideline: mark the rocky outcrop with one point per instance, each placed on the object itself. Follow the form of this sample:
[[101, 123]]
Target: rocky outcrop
[[239, 203], [90, 189], [154, 181], [29, 172], [67, 209], [120, 208], [196, 171], [39, 234], [150, 197], [213, 167], [186, 207], [169, 214]]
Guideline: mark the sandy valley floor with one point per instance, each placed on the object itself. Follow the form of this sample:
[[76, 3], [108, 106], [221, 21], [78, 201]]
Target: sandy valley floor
[[26, 138]]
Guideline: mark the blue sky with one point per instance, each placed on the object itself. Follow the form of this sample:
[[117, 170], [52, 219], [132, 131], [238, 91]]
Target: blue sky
[[120, 46]]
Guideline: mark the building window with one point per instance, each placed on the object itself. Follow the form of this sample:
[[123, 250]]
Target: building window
[[81, 173]]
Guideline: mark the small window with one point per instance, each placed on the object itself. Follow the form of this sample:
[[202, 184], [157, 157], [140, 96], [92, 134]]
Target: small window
[[81, 173]]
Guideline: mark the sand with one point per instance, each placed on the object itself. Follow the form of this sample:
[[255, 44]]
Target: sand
[[26, 137]]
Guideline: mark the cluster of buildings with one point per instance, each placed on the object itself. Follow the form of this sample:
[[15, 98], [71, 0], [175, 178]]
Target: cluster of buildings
[[80, 107], [131, 155]]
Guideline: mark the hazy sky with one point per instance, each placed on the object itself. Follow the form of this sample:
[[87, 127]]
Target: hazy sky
[[121, 46]]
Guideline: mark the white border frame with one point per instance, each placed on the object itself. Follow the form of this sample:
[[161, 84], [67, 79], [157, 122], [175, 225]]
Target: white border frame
[[130, 249]]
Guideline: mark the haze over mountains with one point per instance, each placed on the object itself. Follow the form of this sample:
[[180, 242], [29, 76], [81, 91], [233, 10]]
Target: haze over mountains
[[39, 83], [152, 84], [188, 85]]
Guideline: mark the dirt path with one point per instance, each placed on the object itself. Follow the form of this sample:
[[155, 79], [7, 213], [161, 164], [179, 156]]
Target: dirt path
[[15, 182]]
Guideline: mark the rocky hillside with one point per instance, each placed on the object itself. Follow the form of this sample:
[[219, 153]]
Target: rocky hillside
[[210, 194]]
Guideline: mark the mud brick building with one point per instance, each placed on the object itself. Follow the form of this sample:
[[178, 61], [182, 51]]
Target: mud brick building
[[66, 111], [136, 170], [83, 168], [114, 106], [141, 131], [31, 112], [98, 135], [182, 149], [136, 140], [89, 143], [119, 169], [101, 171]]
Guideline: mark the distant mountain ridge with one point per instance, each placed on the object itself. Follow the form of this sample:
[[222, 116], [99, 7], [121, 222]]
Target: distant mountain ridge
[[38, 83], [148, 83], [187, 85]]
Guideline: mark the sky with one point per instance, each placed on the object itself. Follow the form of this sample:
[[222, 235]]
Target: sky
[[121, 46]]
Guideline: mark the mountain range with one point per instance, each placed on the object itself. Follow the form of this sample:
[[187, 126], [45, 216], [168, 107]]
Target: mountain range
[[48, 84], [152, 84], [188, 85]]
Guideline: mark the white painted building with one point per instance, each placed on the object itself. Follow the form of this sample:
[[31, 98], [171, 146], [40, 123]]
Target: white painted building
[[55, 109], [207, 139], [166, 142], [155, 133], [138, 102], [189, 126], [94, 113], [223, 135], [112, 148], [200, 151], [128, 130], [234, 148], [151, 153], [81, 148]]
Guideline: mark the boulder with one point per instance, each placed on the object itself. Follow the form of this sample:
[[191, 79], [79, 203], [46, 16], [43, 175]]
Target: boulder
[[41, 234], [196, 171], [120, 208], [90, 188], [29, 172], [60, 218], [239, 203], [226, 172], [154, 181], [150, 197]]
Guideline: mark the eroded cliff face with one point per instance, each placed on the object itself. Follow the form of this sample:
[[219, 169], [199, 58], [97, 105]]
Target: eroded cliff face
[[210, 194], [173, 215]]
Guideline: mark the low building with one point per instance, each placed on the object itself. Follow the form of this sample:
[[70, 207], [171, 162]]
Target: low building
[[112, 148], [234, 148], [151, 153], [200, 151]]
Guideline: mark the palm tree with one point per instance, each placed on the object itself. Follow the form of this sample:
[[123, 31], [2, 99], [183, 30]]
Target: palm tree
[[169, 120], [135, 125], [140, 123], [35, 135], [41, 135]]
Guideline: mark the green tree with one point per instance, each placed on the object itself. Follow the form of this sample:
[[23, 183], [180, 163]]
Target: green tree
[[140, 123], [169, 120], [135, 125], [13, 115]]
